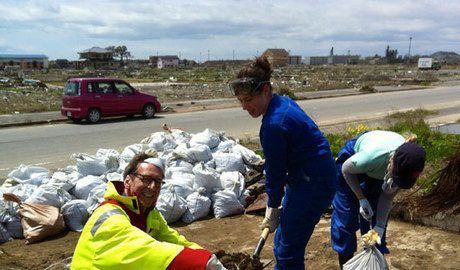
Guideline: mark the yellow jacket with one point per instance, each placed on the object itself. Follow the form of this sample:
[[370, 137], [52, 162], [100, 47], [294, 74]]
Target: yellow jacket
[[110, 241]]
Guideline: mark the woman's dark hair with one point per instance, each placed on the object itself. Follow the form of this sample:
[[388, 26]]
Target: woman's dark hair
[[259, 68], [134, 162]]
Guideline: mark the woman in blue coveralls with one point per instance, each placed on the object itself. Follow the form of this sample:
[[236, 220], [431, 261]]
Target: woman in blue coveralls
[[298, 163], [372, 168]]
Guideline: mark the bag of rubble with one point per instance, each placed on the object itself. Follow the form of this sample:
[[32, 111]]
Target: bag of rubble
[[75, 214], [83, 187], [207, 178], [192, 154], [198, 206], [38, 220], [171, 205], [207, 137], [182, 183], [225, 203], [229, 162], [24, 174], [128, 153]]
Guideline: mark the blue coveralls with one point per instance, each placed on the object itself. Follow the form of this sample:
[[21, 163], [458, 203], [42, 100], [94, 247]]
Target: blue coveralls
[[346, 218], [298, 165]]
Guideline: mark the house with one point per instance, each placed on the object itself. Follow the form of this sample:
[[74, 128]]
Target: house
[[167, 61], [24, 61], [277, 57], [97, 58]]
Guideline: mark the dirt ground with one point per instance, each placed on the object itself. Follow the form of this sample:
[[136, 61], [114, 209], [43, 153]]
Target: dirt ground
[[412, 246]]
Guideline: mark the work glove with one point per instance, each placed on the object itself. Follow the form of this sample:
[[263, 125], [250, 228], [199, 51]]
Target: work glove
[[214, 264], [365, 209], [370, 239], [272, 218]]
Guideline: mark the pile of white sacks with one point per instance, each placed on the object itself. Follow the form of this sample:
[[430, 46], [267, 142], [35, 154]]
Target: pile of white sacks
[[203, 172]]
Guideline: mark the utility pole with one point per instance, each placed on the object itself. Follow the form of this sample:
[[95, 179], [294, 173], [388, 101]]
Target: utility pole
[[208, 55], [410, 43], [233, 55]]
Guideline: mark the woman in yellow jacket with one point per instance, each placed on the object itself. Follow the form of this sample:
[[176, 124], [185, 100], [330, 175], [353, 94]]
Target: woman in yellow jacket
[[127, 232]]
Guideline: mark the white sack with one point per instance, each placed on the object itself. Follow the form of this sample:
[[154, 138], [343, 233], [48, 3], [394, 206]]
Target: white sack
[[63, 180], [160, 141], [179, 188], [206, 177], [198, 206], [30, 175], [199, 152], [110, 157], [171, 205], [229, 162], [249, 156], [75, 214], [96, 197], [23, 191], [225, 203], [233, 181], [129, 152], [369, 259], [173, 166], [224, 146], [207, 137], [84, 186], [89, 165], [49, 195]]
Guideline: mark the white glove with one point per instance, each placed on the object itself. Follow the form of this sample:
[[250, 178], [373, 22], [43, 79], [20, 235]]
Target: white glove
[[272, 218], [214, 264], [365, 209]]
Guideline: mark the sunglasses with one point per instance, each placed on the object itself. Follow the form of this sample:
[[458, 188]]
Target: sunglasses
[[147, 180], [246, 86]]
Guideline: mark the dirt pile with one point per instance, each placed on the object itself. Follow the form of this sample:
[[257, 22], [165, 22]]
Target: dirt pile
[[236, 261]]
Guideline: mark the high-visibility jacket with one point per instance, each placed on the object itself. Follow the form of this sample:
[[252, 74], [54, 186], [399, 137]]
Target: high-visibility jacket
[[110, 241]]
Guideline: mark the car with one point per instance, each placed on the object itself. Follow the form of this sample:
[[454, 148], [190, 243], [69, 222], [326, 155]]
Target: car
[[94, 98]]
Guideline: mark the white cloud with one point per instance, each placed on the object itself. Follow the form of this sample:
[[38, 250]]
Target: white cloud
[[62, 28]]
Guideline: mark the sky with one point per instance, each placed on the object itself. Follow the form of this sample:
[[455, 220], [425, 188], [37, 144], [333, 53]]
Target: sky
[[229, 29]]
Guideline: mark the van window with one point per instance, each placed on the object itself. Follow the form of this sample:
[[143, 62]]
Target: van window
[[104, 88], [72, 89], [123, 88]]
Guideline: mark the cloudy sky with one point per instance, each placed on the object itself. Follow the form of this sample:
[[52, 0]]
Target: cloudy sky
[[229, 29]]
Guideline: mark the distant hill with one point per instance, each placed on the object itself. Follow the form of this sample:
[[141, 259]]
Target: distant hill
[[446, 57]]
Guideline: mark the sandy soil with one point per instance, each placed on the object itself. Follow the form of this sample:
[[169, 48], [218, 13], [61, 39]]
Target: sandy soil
[[412, 246]]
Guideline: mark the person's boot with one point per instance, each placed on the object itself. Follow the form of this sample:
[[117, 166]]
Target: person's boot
[[343, 259]]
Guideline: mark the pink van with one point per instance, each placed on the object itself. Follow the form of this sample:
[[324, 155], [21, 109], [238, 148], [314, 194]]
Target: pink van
[[93, 98]]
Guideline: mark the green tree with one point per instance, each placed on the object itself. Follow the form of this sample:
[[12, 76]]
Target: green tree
[[120, 52]]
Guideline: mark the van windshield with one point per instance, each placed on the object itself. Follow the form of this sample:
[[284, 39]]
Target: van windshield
[[72, 89]]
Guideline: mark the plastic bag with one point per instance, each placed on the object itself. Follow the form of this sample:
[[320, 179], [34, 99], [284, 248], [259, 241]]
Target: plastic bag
[[369, 259], [38, 220]]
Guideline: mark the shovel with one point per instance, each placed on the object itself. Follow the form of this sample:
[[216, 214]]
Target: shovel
[[260, 245]]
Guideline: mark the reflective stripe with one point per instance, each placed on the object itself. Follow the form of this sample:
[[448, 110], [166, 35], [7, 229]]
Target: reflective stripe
[[103, 218]]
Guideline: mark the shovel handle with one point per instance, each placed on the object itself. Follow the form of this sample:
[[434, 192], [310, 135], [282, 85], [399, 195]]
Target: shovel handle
[[260, 245]]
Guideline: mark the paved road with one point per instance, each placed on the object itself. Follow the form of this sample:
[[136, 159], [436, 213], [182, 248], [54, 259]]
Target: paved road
[[51, 145]]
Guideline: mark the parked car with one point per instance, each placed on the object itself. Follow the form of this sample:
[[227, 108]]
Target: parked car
[[93, 98]]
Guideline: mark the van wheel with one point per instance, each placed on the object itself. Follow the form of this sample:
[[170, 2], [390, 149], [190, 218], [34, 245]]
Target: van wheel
[[94, 115], [148, 111]]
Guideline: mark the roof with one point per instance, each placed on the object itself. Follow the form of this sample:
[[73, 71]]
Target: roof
[[96, 50], [168, 57], [23, 56], [277, 52]]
